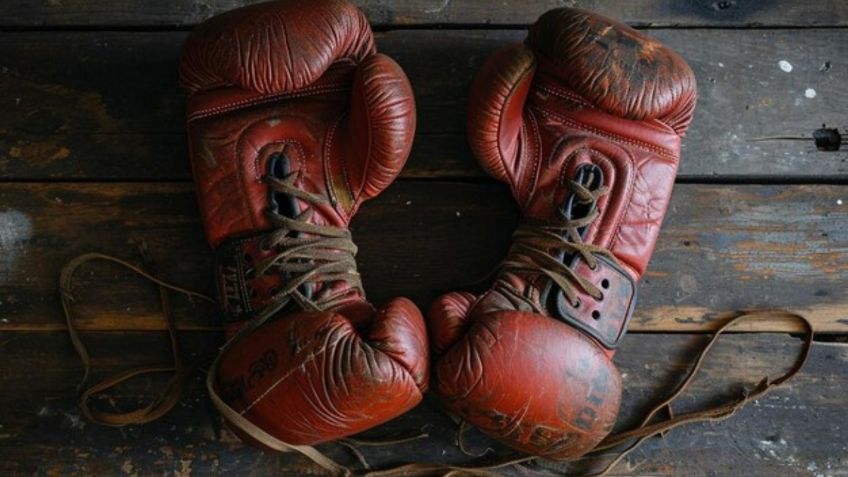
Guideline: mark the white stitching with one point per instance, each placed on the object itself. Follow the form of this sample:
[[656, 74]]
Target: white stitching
[[561, 93]]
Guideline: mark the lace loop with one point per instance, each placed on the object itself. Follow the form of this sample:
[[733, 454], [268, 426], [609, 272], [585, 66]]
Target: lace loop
[[170, 394]]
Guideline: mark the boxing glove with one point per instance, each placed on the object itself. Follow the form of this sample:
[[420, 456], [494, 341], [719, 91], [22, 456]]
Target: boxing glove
[[584, 122], [294, 120]]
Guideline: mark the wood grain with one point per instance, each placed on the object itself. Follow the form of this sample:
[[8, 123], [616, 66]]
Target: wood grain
[[798, 427], [106, 106], [93, 157], [388, 14], [722, 248]]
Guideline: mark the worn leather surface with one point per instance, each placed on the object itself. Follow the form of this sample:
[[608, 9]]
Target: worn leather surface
[[314, 376], [582, 89], [302, 79]]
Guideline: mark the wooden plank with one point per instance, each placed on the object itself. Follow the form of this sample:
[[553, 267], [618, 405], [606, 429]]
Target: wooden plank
[[387, 13], [105, 105], [722, 248], [798, 430]]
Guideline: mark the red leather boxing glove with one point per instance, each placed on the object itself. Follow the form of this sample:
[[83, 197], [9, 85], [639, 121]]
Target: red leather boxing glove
[[294, 120], [584, 122]]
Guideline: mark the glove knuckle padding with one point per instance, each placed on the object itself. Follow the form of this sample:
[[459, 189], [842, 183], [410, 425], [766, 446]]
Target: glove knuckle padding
[[274, 47], [310, 375], [381, 124], [534, 381], [616, 68]]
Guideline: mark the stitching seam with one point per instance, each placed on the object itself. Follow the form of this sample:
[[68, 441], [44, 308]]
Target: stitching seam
[[265, 99], [641, 144]]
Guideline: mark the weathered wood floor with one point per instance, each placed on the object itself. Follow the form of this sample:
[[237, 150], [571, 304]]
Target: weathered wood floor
[[92, 158]]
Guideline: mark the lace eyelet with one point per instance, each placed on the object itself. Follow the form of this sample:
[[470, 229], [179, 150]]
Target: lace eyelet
[[605, 284], [264, 246], [596, 314], [576, 304]]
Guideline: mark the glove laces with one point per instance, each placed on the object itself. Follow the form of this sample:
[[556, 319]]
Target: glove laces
[[540, 248], [307, 253]]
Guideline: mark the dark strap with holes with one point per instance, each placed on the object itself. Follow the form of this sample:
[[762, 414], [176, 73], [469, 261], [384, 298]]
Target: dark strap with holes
[[605, 319]]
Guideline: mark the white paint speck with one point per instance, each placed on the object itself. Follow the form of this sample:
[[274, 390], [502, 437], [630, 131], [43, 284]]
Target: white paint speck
[[409, 202], [810, 93], [74, 420], [438, 8], [785, 66], [838, 201], [458, 214], [720, 64]]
